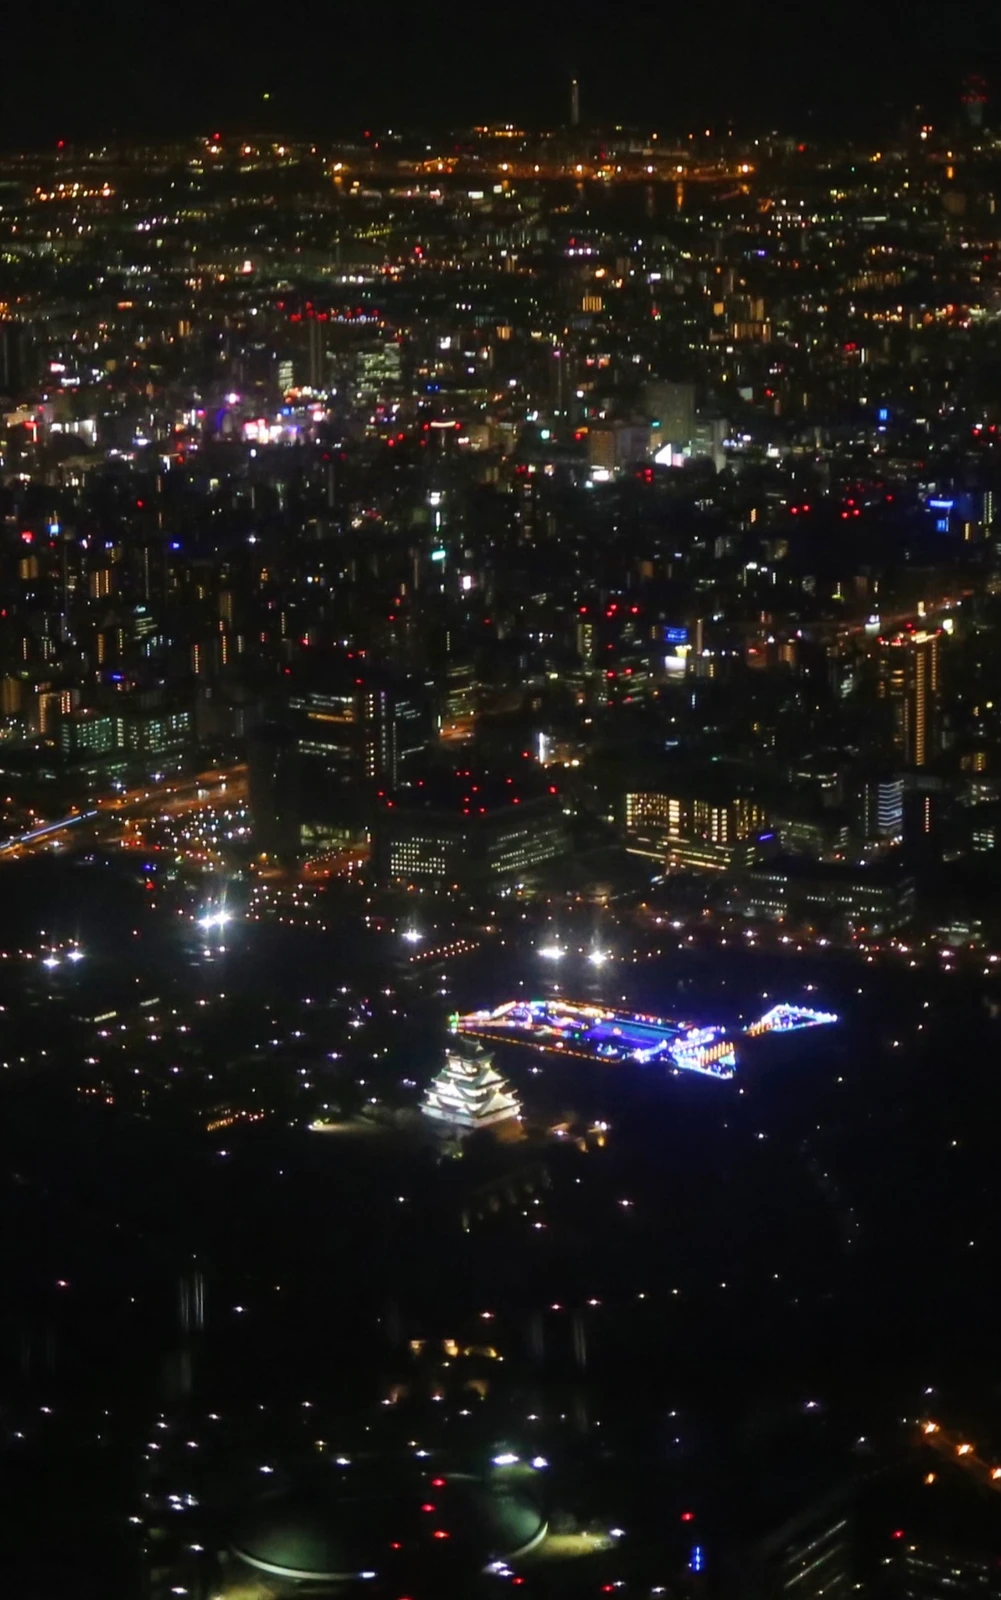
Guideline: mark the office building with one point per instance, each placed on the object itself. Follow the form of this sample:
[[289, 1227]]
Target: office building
[[614, 446], [466, 831], [877, 899], [86, 734], [103, 744], [152, 733], [693, 831], [809, 830]]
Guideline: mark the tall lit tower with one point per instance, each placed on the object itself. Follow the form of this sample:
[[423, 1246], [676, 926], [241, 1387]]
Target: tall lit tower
[[574, 103], [974, 99], [909, 680]]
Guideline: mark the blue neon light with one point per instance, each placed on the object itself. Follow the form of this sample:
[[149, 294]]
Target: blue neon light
[[697, 1559]]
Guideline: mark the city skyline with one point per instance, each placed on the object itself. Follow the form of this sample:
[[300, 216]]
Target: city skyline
[[500, 811], [764, 67]]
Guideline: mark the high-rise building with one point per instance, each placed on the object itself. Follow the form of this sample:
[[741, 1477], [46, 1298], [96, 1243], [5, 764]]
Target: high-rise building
[[671, 409], [469, 1093], [613, 446], [273, 774], [356, 731], [316, 354], [574, 103], [458, 716], [974, 100], [810, 1557], [909, 678], [881, 809], [13, 362]]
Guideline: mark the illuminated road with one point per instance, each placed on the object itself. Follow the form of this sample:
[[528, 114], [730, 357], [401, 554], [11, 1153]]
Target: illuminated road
[[959, 1452], [673, 167], [171, 797], [894, 621], [334, 863], [46, 834]]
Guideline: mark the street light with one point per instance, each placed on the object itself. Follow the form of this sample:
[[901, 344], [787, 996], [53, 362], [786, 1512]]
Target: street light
[[551, 952], [598, 958]]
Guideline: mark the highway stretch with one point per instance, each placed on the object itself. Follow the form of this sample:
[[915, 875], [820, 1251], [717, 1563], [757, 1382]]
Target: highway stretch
[[170, 796]]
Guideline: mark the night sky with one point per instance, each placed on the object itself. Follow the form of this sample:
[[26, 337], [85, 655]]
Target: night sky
[[81, 70]]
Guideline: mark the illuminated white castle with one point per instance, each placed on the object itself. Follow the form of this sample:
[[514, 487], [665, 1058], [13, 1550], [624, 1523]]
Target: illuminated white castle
[[469, 1092]]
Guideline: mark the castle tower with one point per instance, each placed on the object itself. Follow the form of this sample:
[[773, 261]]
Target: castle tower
[[469, 1093]]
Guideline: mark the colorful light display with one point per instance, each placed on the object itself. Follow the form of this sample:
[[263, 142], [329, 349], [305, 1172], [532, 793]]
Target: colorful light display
[[789, 1019], [568, 1028], [595, 1033]]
